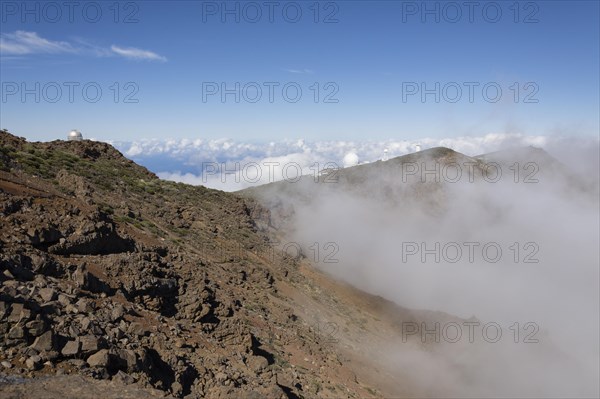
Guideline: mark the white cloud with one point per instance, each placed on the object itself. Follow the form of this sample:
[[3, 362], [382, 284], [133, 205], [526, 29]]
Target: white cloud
[[188, 178], [134, 150], [27, 43], [22, 42], [136, 53]]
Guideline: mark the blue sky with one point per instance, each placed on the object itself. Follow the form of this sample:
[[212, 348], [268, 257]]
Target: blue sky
[[367, 57]]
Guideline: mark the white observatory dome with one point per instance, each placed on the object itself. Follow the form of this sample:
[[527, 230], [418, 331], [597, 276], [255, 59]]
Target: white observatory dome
[[75, 135], [350, 159]]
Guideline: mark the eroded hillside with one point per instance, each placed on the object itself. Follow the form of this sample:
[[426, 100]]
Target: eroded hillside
[[111, 275]]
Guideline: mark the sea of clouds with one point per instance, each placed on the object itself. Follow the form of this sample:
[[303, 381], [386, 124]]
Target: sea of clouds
[[231, 165], [538, 287]]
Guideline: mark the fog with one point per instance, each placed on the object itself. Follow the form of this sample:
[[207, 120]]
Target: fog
[[507, 252]]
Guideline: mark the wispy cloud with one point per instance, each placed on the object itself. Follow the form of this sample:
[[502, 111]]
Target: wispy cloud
[[136, 53], [304, 71], [21, 43]]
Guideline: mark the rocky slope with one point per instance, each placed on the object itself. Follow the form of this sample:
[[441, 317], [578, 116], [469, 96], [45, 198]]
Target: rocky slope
[[114, 283]]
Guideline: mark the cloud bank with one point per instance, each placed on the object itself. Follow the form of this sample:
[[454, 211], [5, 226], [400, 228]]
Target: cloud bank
[[233, 165], [532, 273]]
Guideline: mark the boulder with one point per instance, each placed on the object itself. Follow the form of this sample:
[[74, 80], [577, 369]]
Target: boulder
[[19, 313], [137, 329], [99, 359], [85, 305], [35, 328], [91, 343], [127, 360], [48, 294], [71, 348], [17, 332], [44, 342]]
